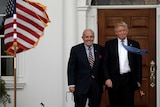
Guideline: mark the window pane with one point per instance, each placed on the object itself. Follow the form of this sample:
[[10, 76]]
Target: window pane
[[7, 61], [3, 4], [7, 66], [1, 25], [124, 2], [3, 48]]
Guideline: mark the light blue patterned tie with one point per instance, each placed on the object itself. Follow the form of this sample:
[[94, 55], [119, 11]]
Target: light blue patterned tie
[[133, 49]]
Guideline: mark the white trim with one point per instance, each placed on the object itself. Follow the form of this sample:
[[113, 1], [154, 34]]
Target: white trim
[[124, 6], [69, 40], [158, 56], [20, 85]]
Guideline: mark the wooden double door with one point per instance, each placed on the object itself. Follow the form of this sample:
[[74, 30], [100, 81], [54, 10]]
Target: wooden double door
[[142, 28]]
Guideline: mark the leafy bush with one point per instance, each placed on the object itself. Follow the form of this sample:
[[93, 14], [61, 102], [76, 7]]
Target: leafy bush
[[4, 96]]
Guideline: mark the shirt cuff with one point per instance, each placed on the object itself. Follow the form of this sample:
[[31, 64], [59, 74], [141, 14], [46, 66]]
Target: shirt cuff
[[71, 85]]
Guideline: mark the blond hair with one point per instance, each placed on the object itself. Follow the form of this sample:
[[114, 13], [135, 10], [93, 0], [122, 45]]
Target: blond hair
[[120, 24]]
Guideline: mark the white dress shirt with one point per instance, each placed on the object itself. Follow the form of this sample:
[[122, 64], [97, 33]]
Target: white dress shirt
[[123, 57], [92, 50]]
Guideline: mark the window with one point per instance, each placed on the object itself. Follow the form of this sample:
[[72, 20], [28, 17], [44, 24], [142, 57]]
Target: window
[[6, 60], [125, 2]]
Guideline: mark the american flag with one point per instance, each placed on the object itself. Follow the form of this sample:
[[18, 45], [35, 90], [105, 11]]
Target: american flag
[[24, 25]]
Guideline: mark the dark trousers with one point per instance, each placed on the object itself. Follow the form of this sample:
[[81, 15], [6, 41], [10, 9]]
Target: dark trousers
[[93, 95], [123, 95]]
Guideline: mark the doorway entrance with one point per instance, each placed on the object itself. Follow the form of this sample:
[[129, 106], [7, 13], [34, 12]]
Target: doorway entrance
[[142, 28]]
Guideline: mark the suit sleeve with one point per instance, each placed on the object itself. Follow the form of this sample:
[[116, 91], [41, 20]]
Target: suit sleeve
[[71, 67], [139, 67], [105, 62]]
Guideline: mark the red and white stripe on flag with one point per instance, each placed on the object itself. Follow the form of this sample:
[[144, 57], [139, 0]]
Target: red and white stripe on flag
[[31, 21]]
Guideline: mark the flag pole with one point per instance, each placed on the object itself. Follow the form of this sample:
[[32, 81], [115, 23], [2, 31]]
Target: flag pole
[[15, 50], [15, 77]]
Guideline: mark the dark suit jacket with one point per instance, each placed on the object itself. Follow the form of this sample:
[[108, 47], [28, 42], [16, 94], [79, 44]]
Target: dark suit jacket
[[79, 70], [111, 63]]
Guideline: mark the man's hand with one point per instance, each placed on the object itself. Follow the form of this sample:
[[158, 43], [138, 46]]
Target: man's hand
[[72, 89], [108, 82], [141, 93]]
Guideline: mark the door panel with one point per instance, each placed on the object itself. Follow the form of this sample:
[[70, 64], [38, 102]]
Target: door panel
[[141, 24]]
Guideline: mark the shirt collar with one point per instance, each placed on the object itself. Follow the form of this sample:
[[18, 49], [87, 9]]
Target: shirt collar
[[86, 47], [125, 40]]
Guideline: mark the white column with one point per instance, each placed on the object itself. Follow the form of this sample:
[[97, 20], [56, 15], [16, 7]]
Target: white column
[[158, 54], [82, 9], [69, 39], [82, 21], [92, 22], [87, 18]]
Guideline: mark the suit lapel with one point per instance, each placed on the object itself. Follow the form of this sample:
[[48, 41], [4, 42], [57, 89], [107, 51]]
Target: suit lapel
[[116, 48], [129, 54], [95, 54], [115, 51], [83, 55]]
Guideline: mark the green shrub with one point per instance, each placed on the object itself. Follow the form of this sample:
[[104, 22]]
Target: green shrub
[[4, 96]]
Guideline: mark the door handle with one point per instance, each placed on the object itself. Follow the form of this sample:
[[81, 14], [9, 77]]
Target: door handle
[[152, 73]]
